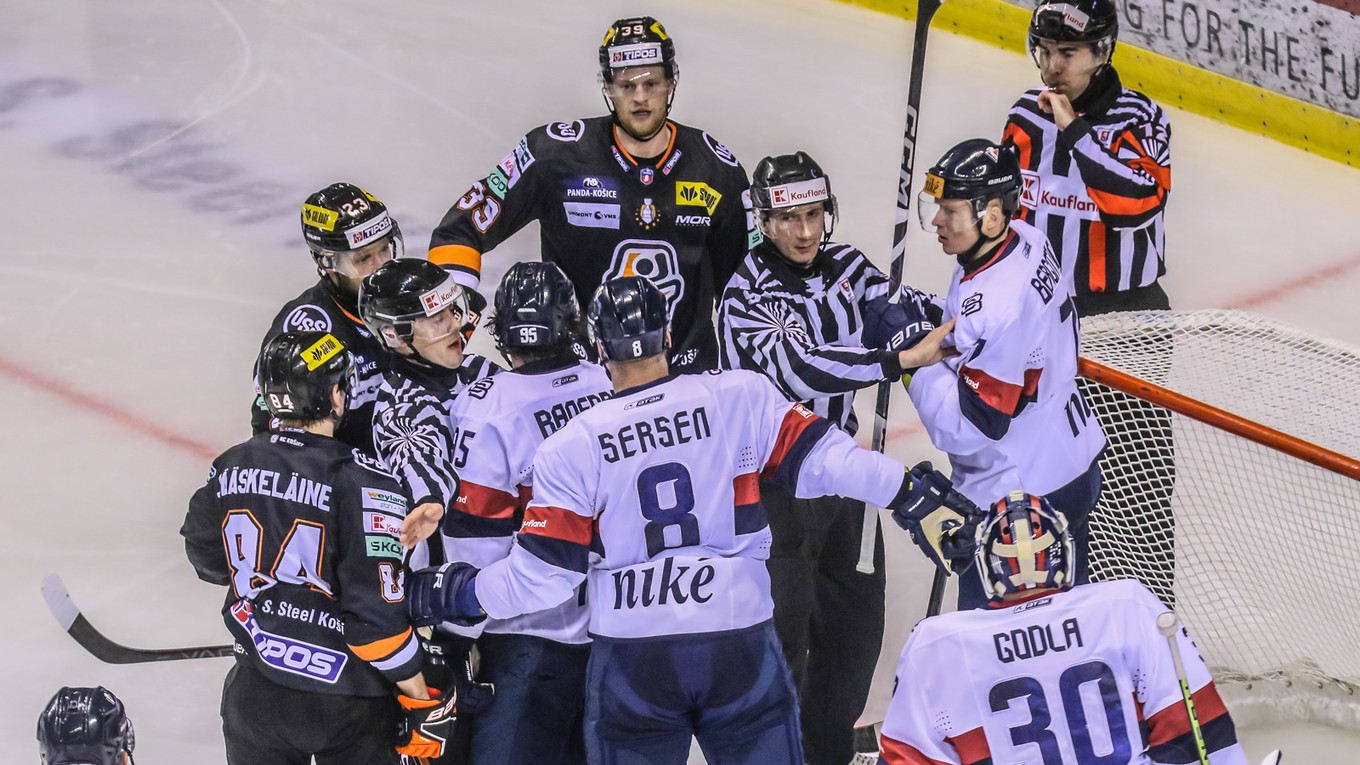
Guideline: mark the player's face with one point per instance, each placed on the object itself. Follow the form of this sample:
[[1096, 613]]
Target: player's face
[[955, 225], [1066, 67], [352, 267], [796, 231], [639, 95], [439, 338]]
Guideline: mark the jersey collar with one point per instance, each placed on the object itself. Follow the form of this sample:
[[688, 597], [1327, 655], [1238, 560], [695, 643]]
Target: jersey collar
[[629, 163], [1002, 250]]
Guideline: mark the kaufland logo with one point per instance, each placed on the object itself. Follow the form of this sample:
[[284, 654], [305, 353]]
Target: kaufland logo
[[1029, 188], [802, 192], [436, 299]]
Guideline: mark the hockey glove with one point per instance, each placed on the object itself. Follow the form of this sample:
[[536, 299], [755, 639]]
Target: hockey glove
[[444, 594], [901, 325], [476, 306], [448, 658], [426, 724], [941, 521]]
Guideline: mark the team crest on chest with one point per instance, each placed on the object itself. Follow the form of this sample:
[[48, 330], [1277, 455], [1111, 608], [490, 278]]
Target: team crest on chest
[[646, 215], [646, 175]]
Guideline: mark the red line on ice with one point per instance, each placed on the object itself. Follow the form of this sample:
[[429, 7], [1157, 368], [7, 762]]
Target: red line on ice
[[1311, 279], [108, 411]]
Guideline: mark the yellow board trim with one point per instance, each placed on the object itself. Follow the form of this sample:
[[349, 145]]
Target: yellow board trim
[[1306, 126]]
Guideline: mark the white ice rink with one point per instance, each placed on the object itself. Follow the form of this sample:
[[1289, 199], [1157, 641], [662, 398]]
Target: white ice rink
[[153, 154]]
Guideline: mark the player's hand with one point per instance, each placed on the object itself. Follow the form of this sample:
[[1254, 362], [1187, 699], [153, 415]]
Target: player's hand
[[426, 724], [444, 594], [939, 519], [927, 350], [420, 523], [476, 307], [1057, 104], [449, 657]]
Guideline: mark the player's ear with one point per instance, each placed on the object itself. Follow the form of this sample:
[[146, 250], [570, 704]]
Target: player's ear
[[994, 219]]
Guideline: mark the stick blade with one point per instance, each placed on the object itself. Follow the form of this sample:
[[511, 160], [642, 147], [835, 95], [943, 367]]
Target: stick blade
[[59, 601], [1274, 758]]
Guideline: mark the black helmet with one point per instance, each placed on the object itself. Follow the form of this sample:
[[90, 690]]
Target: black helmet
[[401, 291], [84, 725], [535, 307], [297, 371], [344, 217], [1087, 21], [638, 41], [628, 318], [976, 170], [790, 180]]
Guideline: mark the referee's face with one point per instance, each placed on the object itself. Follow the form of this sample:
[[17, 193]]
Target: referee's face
[[797, 231], [1066, 67]]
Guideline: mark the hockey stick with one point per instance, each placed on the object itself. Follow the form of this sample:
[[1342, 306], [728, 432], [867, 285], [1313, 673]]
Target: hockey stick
[[925, 11], [1168, 624], [78, 627]]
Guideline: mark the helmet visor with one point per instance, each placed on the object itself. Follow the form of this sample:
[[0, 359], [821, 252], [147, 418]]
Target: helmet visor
[[946, 215]]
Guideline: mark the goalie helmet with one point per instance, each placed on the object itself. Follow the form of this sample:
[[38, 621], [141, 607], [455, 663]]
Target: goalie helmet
[[297, 371], [1023, 544], [638, 41], [976, 171], [535, 307], [401, 291], [84, 725], [1086, 21], [628, 319], [343, 217]]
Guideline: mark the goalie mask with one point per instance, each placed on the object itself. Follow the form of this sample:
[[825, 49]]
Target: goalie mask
[[1023, 545]]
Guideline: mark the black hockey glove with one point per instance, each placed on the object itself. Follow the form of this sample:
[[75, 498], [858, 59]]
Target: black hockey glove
[[941, 521], [444, 594], [476, 307], [426, 724], [448, 664], [899, 326]]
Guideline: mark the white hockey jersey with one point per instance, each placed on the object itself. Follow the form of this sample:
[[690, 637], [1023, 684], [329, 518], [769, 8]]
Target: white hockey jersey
[[498, 424], [655, 495], [1068, 678], [1006, 409]]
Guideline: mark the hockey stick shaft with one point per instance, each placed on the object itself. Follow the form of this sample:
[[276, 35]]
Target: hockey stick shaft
[[925, 11], [1169, 625], [91, 639]]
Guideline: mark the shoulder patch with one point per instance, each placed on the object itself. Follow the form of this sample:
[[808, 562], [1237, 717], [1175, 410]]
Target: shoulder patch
[[364, 460], [383, 500], [971, 304], [721, 152], [482, 387], [569, 132], [307, 318]]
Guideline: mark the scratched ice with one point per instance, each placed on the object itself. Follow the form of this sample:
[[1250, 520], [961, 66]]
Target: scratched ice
[[153, 155]]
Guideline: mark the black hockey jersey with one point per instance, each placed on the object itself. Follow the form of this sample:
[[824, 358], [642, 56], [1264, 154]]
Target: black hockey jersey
[[303, 530], [681, 219], [318, 309]]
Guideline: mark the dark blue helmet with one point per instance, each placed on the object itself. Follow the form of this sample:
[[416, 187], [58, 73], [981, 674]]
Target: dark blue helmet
[[628, 319], [535, 307], [297, 371], [977, 171], [84, 725], [1023, 544]]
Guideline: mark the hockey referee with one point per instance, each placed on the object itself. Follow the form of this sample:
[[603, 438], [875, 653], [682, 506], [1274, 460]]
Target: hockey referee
[[811, 315]]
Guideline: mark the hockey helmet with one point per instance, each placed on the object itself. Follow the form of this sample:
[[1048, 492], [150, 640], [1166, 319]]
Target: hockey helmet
[[1023, 544], [637, 41], [792, 180], [628, 319], [535, 307], [84, 725], [343, 217], [297, 371], [1086, 21], [401, 291], [976, 171]]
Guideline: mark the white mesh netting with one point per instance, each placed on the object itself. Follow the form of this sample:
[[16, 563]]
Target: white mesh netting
[[1258, 551]]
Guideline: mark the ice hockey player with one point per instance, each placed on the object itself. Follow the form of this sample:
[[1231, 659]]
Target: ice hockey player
[[652, 498], [350, 234], [1006, 409], [537, 662], [418, 312], [302, 529], [85, 725], [810, 314], [1050, 672], [1096, 161], [632, 192]]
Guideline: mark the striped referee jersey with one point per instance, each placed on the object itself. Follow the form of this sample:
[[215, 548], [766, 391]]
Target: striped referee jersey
[[806, 332], [412, 432], [1097, 189]]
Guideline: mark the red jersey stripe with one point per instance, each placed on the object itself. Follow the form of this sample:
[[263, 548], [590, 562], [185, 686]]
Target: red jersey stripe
[[485, 502], [796, 420], [895, 752], [557, 523]]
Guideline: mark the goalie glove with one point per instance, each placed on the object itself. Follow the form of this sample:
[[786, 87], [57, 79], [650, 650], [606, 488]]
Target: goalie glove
[[444, 594], [426, 724], [941, 521]]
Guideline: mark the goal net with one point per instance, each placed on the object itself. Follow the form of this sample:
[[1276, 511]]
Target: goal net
[[1250, 528]]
